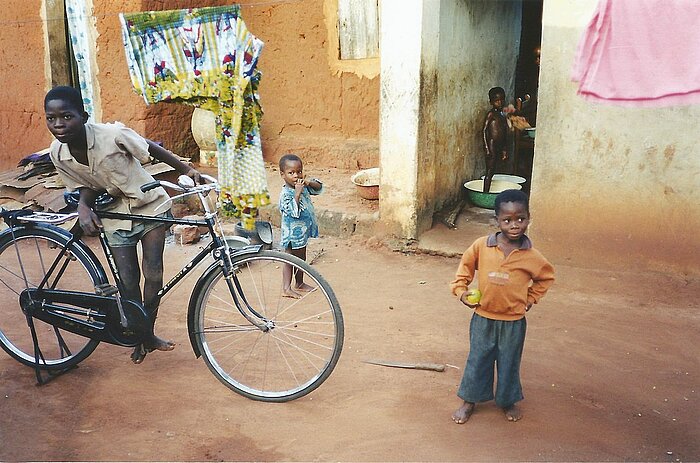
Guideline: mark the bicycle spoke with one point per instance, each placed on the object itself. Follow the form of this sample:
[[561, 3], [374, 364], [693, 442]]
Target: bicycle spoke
[[25, 258], [297, 348], [302, 340]]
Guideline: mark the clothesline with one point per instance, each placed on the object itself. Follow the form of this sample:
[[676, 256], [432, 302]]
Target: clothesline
[[116, 14]]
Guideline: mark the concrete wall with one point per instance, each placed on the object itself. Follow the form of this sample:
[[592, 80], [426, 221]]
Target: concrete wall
[[325, 110], [439, 59], [401, 49], [611, 186]]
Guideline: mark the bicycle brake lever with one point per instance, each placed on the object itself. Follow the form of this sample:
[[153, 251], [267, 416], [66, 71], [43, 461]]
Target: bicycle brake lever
[[209, 178]]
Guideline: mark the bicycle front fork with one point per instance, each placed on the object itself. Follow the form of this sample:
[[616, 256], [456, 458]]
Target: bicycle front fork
[[242, 304]]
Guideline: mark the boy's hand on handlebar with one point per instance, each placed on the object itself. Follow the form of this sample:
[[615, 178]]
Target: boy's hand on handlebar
[[88, 220], [195, 175]]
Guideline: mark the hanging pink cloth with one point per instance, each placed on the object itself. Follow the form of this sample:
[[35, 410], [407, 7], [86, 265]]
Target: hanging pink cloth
[[641, 53]]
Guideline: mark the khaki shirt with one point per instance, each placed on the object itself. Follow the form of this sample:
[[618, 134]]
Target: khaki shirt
[[115, 154]]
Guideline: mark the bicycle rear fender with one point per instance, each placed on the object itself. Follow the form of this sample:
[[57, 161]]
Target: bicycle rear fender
[[99, 269], [200, 286]]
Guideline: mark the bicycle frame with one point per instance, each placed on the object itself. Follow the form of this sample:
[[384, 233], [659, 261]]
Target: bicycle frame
[[81, 303], [255, 341], [215, 243], [218, 247]]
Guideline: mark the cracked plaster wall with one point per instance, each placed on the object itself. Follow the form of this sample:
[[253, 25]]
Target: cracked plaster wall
[[611, 186]]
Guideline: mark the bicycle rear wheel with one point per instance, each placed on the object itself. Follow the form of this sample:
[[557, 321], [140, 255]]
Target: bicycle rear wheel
[[38, 246], [304, 338]]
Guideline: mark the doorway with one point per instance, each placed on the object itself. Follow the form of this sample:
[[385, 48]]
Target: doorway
[[526, 88]]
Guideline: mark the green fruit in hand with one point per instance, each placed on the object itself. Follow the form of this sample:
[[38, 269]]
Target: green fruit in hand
[[473, 296]]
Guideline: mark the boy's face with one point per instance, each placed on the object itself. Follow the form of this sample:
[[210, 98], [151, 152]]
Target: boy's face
[[64, 121], [292, 172], [498, 100], [513, 219]]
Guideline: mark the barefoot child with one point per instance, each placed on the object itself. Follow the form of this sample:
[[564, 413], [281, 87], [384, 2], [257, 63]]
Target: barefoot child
[[512, 277], [93, 158], [495, 135], [298, 219]]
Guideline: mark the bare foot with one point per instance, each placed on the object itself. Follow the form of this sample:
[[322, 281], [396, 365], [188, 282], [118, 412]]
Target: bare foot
[[156, 343], [513, 413], [304, 288], [289, 292], [139, 354], [462, 414]]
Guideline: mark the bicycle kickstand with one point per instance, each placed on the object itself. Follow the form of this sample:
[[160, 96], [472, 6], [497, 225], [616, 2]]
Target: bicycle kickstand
[[50, 374]]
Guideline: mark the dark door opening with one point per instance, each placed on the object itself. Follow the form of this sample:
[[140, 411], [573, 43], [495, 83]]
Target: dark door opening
[[526, 86]]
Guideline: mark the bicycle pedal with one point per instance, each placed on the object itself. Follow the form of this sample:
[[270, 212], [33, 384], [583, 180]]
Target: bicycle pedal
[[105, 289]]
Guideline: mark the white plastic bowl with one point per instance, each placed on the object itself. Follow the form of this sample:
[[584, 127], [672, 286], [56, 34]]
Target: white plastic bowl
[[507, 178]]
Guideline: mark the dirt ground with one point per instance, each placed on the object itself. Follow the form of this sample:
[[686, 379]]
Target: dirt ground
[[610, 373]]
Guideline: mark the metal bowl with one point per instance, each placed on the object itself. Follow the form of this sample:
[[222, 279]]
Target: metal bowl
[[476, 195], [367, 183]]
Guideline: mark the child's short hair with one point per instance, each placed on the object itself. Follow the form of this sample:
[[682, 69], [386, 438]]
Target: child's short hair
[[70, 94], [496, 91], [287, 158], [512, 196]]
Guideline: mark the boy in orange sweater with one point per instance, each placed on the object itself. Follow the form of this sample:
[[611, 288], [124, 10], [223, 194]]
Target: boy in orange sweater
[[512, 277]]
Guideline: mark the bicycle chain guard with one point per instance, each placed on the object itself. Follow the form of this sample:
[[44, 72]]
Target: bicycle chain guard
[[90, 315]]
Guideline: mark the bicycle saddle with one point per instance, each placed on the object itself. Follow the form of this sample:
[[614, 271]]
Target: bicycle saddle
[[73, 197]]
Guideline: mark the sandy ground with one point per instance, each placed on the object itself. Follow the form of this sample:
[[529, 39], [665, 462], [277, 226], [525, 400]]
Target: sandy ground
[[610, 373]]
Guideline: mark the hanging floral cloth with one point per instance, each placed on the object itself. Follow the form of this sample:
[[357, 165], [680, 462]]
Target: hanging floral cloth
[[206, 57]]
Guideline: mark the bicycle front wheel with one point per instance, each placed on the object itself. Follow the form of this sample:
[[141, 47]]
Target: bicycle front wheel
[[24, 262], [302, 339]]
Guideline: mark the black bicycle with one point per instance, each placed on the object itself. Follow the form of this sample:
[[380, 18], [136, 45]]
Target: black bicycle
[[58, 304]]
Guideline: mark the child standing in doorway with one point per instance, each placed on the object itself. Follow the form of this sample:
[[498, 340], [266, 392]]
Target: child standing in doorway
[[93, 158], [495, 135], [512, 277], [298, 219]]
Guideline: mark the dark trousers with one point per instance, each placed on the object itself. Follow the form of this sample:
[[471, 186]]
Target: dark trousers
[[494, 344]]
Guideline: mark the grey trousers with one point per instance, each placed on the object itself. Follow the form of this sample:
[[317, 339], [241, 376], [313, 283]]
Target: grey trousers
[[494, 345]]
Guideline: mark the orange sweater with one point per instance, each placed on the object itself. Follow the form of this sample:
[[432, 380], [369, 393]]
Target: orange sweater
[[507, 284]]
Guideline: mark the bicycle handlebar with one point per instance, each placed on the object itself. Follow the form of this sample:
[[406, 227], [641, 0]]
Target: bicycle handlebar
[[184, 184]]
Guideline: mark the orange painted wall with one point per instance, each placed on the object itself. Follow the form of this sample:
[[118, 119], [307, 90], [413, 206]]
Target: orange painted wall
[[22, 81], [328, 118]]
